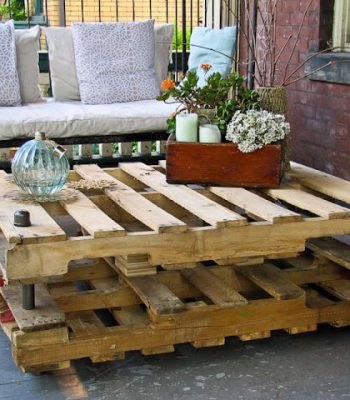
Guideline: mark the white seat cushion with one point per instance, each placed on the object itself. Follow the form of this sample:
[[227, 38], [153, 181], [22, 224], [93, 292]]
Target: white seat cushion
[[72, 118]]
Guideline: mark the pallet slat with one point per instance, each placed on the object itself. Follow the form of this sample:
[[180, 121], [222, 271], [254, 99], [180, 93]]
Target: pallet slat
[[43, 228], [134, 203], [332, 249], [269, 278], [309, 202], [338, 288], [156, 296], [254, 204], [46, 313], [91, 218], [204, 208], [213, 287], [320, 182]]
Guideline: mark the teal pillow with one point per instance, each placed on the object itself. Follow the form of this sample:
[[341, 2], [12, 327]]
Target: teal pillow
[[220, 40]]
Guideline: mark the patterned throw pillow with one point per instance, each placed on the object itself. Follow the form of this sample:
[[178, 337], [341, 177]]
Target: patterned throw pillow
[[115, 61], [9, 82]]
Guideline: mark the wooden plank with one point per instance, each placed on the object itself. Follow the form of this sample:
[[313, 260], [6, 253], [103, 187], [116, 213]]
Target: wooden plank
[[43, 228], [256, 205], [339, 288], [320, 182], [46, 313], [309, 202], [135, 265], [260, 316], [106, 149], [40, 338], [131, 315], [204, 208], [5, 154], [269, 278], [213, 342], [223, 164], [161, 146], [125, 149], [85, 150], [213, 287], [255, 335], [158, 298], [295, 330], [87, 321], [144, 148], [332, 249], [91, 218], [134, 203], [151, 351]]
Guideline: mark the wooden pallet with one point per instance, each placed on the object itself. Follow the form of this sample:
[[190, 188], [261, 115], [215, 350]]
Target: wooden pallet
[[143, 222], [94, 311]]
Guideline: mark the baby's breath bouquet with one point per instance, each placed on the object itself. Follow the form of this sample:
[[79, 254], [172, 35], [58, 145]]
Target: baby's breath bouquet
[[253, 129]]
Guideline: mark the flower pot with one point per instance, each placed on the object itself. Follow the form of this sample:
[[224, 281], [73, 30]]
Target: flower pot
[[205, 115], [223, 164], [274, 99]]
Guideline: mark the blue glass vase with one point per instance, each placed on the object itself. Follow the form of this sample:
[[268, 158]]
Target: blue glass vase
[[40, 167]]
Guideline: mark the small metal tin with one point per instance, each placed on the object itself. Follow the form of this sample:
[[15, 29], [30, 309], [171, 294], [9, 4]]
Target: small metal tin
[[22, 218]]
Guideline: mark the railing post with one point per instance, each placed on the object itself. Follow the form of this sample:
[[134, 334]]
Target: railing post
[[184, 36], [62, 12]]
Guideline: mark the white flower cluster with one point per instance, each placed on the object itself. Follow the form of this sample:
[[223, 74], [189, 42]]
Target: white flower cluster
[[255, 129]]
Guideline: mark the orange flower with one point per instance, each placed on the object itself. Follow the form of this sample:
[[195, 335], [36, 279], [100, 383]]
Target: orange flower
[[167, 84], [172, 115], [206, 67]]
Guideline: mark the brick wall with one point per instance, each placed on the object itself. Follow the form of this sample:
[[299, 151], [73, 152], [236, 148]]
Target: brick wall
[[318, 111]]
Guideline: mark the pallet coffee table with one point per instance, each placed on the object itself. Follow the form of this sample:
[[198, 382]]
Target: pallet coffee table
[[171, 264]]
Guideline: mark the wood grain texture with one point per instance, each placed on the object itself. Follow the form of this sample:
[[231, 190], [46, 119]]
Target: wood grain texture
[[320, 181], [223, 165], [204, 208], [134, 203], [45, 314]]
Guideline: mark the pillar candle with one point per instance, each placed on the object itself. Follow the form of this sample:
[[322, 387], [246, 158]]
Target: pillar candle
[[209, 133], [187, 128]]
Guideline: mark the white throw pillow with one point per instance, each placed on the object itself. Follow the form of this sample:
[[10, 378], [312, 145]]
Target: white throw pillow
[[163, 36], [115, 61], [9, 82], [27, 47], [64, 80]]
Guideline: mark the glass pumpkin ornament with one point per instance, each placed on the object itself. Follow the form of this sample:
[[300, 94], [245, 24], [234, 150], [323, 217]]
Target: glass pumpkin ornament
[[40, 166]]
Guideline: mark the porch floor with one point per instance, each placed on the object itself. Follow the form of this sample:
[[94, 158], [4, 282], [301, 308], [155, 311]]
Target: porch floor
[[306, 366]]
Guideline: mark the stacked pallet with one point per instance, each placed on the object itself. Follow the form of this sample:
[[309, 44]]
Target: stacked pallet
[[144, 265], [201, 306]]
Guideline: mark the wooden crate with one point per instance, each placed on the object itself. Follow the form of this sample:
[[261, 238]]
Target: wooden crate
[[95, 311], [145, 222], [223, 164]]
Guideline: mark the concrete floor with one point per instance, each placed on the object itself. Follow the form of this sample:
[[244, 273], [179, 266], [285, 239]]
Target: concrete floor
[[307, 366]]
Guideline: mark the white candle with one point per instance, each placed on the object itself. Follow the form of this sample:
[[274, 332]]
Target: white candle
[[187, 128], [209, 133]]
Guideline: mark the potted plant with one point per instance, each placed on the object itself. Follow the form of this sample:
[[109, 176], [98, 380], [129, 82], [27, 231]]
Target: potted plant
[[216, 102], [254, 129]]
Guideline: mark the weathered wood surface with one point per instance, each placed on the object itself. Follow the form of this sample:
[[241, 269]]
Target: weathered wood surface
[[204, 208], [133, 202], [172, 225], [156, 313], [43, 228]]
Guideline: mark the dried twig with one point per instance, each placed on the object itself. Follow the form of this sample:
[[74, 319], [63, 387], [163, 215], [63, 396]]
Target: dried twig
[[316, 70], [296, 39], [306, 60]]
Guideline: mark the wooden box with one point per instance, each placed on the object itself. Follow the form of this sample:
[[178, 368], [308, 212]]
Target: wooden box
[[223, 164]]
